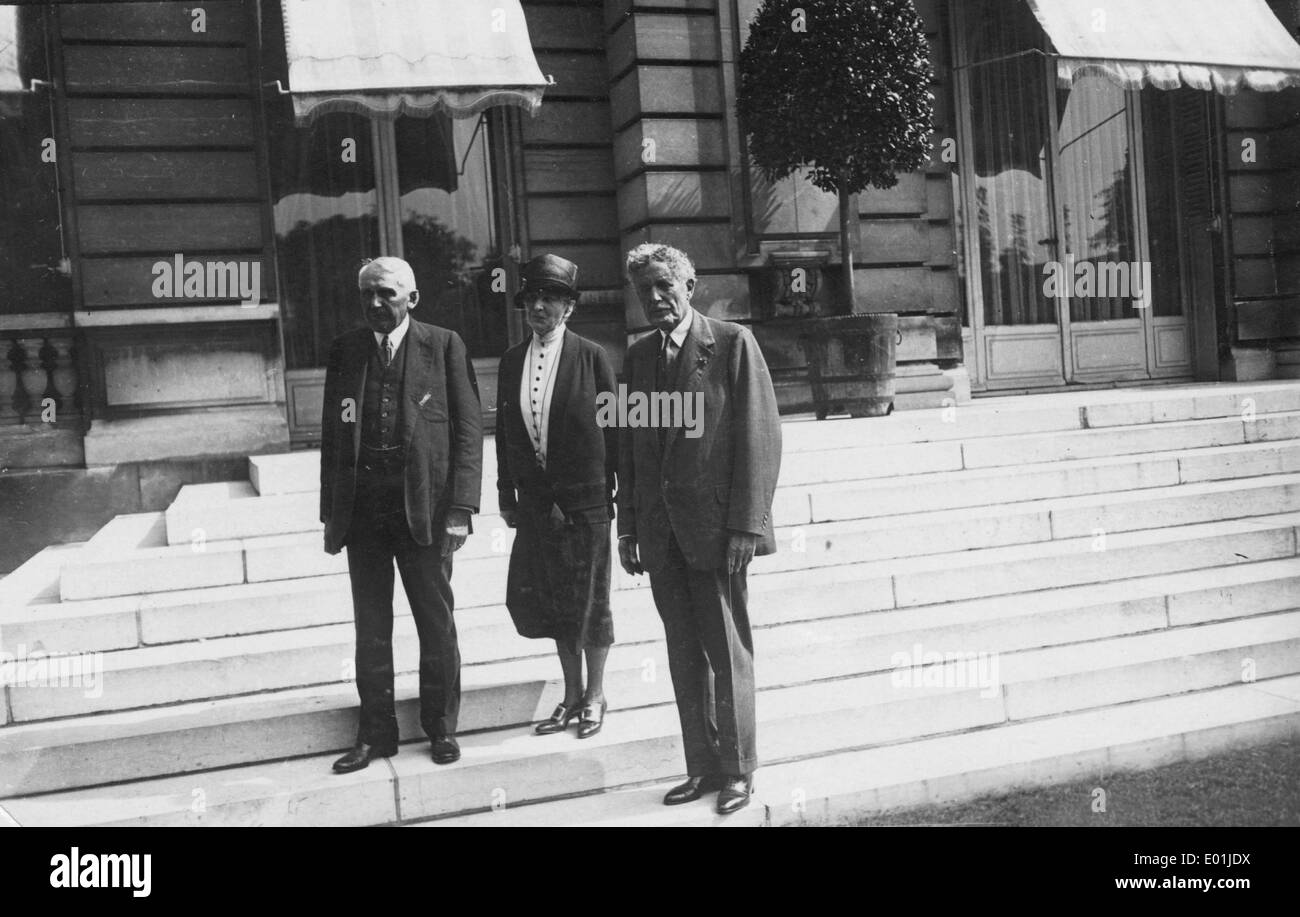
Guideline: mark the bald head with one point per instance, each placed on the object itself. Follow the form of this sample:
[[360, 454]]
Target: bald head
[[387, 288]]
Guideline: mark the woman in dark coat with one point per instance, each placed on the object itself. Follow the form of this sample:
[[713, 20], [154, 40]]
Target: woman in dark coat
[[555, 483]]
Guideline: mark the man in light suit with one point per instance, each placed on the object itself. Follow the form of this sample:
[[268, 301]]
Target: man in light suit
[[401, 469], [694, 509]]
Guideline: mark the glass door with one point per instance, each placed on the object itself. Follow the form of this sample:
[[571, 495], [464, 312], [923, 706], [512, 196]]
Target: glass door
[[1007, 176], [1073, 279], [1102, 282]]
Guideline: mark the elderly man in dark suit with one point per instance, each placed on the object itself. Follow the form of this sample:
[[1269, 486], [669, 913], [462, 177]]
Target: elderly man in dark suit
[[401, 469], [694, 507], [556, 470]]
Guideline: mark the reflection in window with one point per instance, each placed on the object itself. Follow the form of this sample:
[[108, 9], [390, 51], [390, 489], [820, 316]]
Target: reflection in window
[[34, 274], [326, 221], [448, 233], [1008, 94], [1096, 192], [793, 206]]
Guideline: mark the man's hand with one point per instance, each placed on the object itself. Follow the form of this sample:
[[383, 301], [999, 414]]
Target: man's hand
[[627, 556], [509, 516], [457, 531], [740, 550]]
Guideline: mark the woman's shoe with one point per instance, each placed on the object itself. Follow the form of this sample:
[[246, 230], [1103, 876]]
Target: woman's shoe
[[559, 720], [591, 720]]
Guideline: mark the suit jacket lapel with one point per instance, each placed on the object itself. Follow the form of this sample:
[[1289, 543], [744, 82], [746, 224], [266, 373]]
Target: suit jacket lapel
[[565, 374], [360, 360], [417, 374], [642, 379], [697, 350], [512, 378]]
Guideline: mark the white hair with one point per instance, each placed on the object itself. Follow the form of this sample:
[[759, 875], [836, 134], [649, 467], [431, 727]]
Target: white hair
[[677, 261], [389, 265]]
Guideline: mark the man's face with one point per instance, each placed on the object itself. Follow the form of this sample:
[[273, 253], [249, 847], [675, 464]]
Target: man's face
[[385, 299], [664, 296], [545, 310]]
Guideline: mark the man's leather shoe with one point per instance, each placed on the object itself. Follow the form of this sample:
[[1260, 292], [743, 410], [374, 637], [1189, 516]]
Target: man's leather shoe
[[691, 790], [361, 755], [445, 750], [735, 794]]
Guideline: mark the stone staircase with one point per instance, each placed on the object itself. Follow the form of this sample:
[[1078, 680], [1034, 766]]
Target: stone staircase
[[1009, 593]]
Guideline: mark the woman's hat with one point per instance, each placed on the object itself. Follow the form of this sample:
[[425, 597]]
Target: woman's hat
[[549, 272]]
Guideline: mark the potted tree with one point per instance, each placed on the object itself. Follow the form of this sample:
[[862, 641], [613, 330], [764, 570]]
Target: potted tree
[[840, 88]]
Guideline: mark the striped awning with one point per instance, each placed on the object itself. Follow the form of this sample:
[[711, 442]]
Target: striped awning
[[386, 58], [1224, 45]]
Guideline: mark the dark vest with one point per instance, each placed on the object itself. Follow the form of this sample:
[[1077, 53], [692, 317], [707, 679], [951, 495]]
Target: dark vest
[[381, 411]]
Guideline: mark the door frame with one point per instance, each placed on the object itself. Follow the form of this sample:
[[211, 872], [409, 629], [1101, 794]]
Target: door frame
[[1160, 340], [1131, 335]]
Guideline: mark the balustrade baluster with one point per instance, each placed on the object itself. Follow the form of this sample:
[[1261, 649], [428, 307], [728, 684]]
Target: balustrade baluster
[[8, 382], [32, 378], [63, 376]]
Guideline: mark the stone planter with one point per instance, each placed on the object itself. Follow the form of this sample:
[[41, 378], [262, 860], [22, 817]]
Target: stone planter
[[851, 363]]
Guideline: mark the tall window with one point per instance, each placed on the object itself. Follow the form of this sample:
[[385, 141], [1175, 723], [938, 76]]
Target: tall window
[[793, 207], [1095, 185], [35, 275], [1012, 162], [348, 187]]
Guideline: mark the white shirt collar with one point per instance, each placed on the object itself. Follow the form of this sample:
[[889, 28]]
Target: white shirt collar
[[396, 335], [555, 335], [683, 328]]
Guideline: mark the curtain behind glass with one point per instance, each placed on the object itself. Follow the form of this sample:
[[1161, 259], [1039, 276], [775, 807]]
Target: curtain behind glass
[[326, 222], [448, 228], [1008, 91]]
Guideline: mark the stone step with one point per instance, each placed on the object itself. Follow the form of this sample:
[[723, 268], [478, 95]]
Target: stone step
[[806, 736], [1054, 635], [129, 621], [986, 523], [148, 568], [290, 473], [858, 499], [640, 806], [901, 460], [992, 525], [36, 579], [126, 622], [234, 510], [945, 770], [986, 417]]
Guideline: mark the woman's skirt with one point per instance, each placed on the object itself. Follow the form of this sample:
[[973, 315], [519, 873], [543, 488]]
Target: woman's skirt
[[558, 586]]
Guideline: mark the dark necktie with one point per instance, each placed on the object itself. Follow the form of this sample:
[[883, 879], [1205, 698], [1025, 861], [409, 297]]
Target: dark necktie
[[386, 351], [663, 382], [664, 365]]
